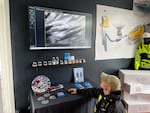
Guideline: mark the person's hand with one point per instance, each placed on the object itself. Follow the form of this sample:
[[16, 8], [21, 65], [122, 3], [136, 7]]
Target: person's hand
[[72, 90]]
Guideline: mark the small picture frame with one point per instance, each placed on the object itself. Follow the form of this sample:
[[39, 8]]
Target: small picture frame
[[78, 74]]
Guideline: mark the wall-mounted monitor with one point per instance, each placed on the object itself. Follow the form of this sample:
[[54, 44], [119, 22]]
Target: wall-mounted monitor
[[59, 29]]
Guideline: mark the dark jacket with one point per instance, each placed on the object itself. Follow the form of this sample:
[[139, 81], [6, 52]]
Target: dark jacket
[[108, 103]]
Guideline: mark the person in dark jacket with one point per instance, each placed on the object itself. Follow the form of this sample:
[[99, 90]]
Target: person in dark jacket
[[108, 96]]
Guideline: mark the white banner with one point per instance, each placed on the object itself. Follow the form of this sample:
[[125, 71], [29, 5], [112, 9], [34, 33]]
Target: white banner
[[114, 39]]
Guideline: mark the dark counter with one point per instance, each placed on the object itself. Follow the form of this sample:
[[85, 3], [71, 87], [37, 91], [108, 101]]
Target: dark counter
[[68, 104]]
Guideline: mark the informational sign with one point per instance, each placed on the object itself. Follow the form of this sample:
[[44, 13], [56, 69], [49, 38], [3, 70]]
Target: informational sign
[[118, 32]]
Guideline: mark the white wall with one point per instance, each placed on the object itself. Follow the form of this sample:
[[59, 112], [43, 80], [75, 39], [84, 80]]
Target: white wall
[[6, 83], [1, 105]]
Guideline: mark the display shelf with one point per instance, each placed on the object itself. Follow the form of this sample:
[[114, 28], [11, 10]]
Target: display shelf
[[57, 105], [56, 62]]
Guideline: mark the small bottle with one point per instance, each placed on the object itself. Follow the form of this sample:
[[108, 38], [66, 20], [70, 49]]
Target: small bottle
[[45, 63], [49, 63], [61, 62], [34, 64], [53, 61], [57, 60]]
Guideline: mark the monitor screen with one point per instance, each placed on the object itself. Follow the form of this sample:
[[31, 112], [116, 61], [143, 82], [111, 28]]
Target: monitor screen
[[59, 29]]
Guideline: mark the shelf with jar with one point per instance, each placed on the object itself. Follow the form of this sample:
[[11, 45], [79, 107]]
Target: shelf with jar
[[56, 61]]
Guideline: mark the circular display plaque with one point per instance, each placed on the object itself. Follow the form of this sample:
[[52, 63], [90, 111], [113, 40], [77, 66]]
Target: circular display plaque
[[40, 98], [44, 101], [40, 84]]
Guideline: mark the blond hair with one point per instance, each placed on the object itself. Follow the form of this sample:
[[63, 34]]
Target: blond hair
[[111, 80]]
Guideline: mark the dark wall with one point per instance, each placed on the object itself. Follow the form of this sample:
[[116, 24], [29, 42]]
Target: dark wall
[[23, 57]]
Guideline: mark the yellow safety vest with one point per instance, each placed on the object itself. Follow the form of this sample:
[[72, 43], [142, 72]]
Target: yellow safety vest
[[105, 106], [143, 49]]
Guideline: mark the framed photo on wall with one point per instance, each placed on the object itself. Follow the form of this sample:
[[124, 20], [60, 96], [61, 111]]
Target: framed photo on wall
[[78, 74]]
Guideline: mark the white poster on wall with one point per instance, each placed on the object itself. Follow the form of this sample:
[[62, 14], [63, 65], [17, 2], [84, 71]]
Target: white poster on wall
[[115, 38]]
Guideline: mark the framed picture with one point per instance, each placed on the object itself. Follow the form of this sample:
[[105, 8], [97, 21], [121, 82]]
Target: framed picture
[[59, 29], [78, 74]]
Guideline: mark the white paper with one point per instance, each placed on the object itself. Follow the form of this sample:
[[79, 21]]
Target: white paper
[[123, 48]]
